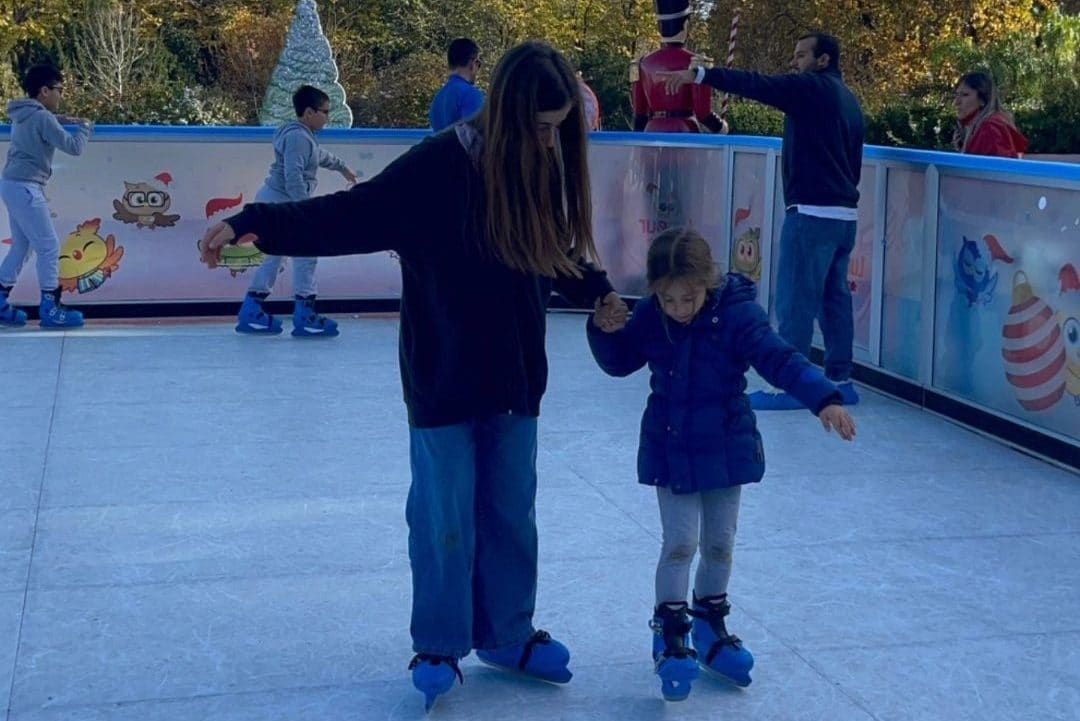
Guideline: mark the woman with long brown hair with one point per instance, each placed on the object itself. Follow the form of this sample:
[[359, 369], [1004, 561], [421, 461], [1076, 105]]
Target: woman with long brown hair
[[984, 127], [487, 217]]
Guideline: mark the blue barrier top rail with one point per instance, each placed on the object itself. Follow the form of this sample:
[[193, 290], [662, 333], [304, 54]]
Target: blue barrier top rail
[[223, 134]]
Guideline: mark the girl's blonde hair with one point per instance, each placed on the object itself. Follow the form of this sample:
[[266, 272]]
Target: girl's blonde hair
[[539, 207], [680, 254]]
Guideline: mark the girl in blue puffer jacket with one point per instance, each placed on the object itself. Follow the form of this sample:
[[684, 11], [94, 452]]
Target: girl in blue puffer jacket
[[699, 335]]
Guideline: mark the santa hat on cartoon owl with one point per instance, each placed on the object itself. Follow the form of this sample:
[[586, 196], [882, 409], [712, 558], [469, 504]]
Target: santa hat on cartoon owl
[[161, 182], [671, 16]]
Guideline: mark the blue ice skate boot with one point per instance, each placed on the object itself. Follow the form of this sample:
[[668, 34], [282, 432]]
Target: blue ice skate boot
[[847, 392], [55, 314], [253, 319], [718, 651], [676, 663], [541, 657], [309, 324], [434, 675], [10, 315]]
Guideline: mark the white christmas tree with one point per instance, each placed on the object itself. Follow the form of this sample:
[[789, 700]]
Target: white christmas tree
[[306, 60]]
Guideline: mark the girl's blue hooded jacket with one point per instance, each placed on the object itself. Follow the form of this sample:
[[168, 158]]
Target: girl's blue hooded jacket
[[698, 432]]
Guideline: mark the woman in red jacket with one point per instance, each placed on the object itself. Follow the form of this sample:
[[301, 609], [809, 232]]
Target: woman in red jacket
[[984, 127]]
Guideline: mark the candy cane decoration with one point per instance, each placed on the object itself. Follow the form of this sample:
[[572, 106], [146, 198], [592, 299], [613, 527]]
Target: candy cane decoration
[[730, 57]]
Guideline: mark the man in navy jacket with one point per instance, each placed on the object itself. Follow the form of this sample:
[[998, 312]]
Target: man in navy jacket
[[822, 162]]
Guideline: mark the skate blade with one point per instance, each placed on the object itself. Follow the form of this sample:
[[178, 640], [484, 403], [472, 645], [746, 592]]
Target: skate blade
[[741, 681], [246, 329], [555, 679], [298, 333]]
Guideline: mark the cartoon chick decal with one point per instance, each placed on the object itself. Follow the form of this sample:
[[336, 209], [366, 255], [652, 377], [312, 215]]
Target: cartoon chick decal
[[1070, 330], [746, 256], [86, 259], [746, 250], [974, 281]]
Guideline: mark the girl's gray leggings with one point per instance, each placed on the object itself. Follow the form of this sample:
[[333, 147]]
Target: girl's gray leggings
[[695, 522]]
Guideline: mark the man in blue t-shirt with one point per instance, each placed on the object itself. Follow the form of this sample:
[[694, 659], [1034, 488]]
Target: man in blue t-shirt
[[459, 98]]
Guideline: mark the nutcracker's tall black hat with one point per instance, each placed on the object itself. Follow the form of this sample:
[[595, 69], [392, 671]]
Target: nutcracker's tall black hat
[[672, 15]]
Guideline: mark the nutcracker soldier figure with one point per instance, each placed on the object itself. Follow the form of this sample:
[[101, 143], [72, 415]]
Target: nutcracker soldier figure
[[665, 186], [655, 111]]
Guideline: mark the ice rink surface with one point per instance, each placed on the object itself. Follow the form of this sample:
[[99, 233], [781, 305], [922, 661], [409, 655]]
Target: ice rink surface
[[198, 525]]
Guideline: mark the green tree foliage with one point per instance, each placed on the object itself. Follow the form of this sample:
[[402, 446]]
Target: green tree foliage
[[29, 28], [210, 61], [1038, 78], [903, 59]]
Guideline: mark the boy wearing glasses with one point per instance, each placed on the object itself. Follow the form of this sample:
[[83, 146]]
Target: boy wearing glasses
[[36, 131], [297, 157]]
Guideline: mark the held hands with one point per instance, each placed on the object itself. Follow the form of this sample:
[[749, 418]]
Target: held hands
[[674, 81], [216, 238], [836, 418], [611, 313]]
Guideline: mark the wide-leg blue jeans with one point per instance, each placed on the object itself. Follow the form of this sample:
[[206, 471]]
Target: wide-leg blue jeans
[[472, 534], [812, 283]]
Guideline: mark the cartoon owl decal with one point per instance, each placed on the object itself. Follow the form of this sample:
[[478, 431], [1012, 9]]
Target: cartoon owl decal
[[145, 204]]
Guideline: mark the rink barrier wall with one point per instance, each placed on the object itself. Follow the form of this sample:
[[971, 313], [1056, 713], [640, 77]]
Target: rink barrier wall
[[964, 276]]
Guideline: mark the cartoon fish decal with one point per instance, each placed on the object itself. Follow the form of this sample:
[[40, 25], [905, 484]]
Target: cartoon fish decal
[[974, 280], [86, 259]]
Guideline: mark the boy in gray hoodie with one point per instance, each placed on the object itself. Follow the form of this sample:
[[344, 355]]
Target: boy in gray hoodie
[[297, 157], [36, 131]]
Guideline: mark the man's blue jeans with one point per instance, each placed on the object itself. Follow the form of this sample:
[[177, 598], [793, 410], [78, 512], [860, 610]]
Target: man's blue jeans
[[472, 535], [812, 283]]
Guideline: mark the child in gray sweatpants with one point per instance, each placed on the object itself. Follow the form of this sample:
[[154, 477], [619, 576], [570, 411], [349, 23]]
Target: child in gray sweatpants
[[36, 131], [297, 157]]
